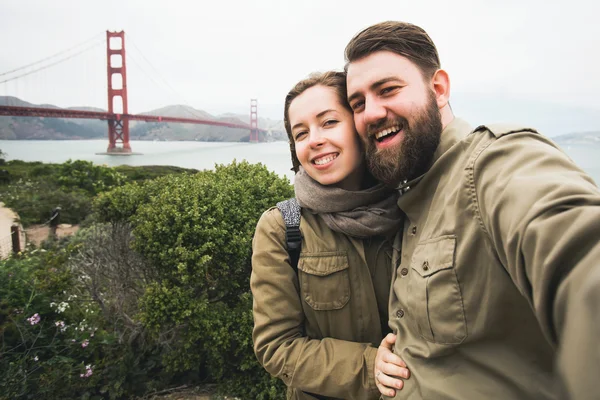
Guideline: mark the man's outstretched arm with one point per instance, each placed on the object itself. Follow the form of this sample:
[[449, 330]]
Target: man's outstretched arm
[[542, 214]]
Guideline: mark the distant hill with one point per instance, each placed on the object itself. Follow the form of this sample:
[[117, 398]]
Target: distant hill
[[584, 138], [34, 128], [554, 120], [180, 111], [205, 133], [276, 127], [550, 119], [28, 128], [16, 102], [265, 123]]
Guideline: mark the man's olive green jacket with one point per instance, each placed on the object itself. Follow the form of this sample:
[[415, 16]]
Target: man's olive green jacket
[[497, 291]]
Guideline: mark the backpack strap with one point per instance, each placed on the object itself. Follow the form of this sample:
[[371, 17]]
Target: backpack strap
[[290, 210]]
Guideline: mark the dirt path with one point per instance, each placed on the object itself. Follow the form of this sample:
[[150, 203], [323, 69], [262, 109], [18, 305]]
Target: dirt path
[[36, 234]]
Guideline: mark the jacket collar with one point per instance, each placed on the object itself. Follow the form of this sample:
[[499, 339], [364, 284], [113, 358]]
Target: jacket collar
[[454, 132]]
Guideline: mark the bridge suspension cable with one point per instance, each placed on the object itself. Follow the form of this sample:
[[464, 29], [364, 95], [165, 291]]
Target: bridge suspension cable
[[54, 63], [191, 109], [60, 53]]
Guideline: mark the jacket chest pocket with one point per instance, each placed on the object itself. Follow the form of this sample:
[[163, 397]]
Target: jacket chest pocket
[[434, 295], [324, 280]]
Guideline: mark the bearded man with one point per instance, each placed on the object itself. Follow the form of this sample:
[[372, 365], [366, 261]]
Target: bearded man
[[496, 292]]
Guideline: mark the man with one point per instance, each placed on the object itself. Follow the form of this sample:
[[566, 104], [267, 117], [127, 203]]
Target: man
[[54, 222], [496, 293]]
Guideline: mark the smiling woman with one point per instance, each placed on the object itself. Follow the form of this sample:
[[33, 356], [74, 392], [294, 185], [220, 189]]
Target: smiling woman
[[318, 328], [325, 139]]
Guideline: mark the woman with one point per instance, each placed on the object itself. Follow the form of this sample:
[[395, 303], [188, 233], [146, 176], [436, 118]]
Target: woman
[[318, 329]]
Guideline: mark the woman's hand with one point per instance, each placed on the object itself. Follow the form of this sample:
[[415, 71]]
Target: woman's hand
[[389, 368]]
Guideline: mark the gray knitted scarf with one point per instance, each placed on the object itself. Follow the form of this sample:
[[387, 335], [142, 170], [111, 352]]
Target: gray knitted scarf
[[360, 214]]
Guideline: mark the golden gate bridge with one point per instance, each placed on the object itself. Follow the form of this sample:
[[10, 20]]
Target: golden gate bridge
[[118, 123]]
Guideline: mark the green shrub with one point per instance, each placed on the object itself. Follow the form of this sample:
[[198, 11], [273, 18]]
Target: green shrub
[[57, 343], [33, 190], [146, 172], [122, 203], [196, 232], [35, 200], [159, 293], [88, 177], [46, 332]]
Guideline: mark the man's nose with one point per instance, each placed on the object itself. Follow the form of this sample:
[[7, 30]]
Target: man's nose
[[374, 112]]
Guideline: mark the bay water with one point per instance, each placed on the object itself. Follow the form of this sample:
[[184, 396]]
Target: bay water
[[204, 155]]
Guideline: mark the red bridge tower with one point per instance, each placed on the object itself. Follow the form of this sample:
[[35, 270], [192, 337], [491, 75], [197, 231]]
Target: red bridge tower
[[253, 121], [118, 129]]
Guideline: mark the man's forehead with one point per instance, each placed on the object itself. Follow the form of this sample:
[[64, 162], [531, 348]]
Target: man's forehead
[[359, 75], [382, 65]]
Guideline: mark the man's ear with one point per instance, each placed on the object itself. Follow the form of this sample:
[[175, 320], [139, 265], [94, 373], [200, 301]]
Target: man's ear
[[440, 83]]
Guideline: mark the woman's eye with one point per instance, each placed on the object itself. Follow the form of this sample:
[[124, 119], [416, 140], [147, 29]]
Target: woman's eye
[[330, 122], [299, 135]]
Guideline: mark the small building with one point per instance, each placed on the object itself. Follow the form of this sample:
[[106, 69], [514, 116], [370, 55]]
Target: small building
[[8, 218]]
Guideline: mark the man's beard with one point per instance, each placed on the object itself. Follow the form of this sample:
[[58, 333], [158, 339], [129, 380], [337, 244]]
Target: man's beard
[[413, 155]]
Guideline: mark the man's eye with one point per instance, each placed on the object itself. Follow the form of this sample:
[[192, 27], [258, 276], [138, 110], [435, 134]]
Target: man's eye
[[388, 90], [357, 106]]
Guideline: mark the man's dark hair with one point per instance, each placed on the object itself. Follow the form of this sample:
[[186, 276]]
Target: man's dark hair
[[402, 38]]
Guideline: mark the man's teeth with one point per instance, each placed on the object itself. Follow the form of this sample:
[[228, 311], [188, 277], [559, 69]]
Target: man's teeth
[[386, 132], [326, 159]]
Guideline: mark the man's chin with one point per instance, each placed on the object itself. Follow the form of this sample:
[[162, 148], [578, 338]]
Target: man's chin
[[384, 166]]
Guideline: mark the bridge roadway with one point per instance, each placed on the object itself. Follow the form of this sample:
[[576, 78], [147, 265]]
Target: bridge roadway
[[64, 113]]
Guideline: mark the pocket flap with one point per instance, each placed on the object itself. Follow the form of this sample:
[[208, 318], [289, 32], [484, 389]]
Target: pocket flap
[[434, 255], [324, 263]]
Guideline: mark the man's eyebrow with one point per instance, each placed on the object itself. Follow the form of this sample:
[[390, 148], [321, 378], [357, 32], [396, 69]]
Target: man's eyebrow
[[376, 84], [354, 96], [319, 115]]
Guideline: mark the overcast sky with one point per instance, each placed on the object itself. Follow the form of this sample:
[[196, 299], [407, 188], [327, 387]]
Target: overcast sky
[[216, 55]]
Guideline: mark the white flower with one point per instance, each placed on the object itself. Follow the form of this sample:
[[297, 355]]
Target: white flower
[[62, 307]]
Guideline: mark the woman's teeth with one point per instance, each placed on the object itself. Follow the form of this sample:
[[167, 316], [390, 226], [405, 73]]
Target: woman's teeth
[[326, 159]]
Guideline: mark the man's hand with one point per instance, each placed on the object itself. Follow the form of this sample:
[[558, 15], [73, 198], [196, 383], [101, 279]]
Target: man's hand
[[389, 368]]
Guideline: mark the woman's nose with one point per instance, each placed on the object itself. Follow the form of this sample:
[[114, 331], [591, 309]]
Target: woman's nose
[[316, 139]]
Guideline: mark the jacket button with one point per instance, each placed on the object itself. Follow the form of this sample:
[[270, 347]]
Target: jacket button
[[425, 266], [414, 230], [404, 271], [400, 313]]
